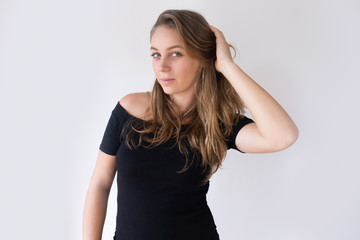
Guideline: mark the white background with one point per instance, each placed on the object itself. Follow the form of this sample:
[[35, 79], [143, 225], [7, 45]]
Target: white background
[[65, 64]]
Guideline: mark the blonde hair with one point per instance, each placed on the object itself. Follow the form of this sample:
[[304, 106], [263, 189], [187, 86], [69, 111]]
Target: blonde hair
[[216, 108]]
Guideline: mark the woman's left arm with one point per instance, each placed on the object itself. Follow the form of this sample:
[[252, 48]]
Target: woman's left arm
[[273, 129]]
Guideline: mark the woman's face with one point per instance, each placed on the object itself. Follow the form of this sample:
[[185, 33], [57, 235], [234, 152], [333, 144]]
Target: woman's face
[[174, 69]]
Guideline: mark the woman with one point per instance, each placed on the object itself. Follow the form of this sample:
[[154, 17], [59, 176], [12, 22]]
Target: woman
[[166, 144]]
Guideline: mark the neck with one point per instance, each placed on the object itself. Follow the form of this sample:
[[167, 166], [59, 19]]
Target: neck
[[183, 102]]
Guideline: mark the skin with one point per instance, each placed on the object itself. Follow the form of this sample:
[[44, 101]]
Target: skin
[[273, 131]]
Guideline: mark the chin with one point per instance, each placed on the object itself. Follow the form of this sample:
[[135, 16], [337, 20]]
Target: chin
[[167, 91]]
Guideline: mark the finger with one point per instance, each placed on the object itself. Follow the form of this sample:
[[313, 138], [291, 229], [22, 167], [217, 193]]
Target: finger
[[218, 34], [216, 31]]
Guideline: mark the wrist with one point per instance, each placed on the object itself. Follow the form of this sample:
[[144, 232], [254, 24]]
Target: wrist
[[227, 68]]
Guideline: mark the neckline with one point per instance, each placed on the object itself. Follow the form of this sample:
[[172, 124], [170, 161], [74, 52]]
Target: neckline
[[147, 121]]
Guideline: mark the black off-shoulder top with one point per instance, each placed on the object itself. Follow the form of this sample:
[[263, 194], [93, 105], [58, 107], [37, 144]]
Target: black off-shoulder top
[[154, 201]]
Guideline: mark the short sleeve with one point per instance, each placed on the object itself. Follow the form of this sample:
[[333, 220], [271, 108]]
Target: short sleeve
[[237, 127], [111, 139]]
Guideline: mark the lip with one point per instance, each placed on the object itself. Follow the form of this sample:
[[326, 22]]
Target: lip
[[166, 81]]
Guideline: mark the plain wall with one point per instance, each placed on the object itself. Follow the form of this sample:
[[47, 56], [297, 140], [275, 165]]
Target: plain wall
[[65, 64]]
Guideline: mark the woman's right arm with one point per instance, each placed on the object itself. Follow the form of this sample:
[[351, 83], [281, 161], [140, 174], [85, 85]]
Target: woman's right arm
[[97, 197]]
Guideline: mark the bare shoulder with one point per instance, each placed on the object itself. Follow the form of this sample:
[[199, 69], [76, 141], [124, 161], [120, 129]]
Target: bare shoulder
[[137, 104]]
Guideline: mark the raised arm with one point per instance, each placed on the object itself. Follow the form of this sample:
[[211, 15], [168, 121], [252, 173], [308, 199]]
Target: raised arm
[[97, 197], [273, 129]]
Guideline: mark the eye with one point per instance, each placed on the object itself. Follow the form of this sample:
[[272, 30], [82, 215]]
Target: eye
[[176, 54], [155, 55]]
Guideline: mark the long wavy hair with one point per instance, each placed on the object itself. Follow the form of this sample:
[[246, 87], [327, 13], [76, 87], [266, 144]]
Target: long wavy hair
[[212, 115]]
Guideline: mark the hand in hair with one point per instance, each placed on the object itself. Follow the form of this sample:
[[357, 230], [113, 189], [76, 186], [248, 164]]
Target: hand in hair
[[223, 54]]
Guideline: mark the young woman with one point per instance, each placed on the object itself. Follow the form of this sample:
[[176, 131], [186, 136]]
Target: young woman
[[166, 144]]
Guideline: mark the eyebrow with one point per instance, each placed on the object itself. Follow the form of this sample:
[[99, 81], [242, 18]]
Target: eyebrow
[[169, 48]]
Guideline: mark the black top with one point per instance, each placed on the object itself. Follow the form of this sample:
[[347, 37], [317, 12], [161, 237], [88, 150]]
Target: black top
[[154, 201]]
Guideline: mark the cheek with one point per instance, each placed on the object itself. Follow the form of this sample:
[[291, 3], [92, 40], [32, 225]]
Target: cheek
[[188, 68], [192, 69]]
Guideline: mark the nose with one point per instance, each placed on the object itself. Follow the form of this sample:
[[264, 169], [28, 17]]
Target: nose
[[163, 65]]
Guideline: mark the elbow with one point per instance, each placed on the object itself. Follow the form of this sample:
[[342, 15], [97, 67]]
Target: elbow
[[100, 187], [293, 135], [288, 139]]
